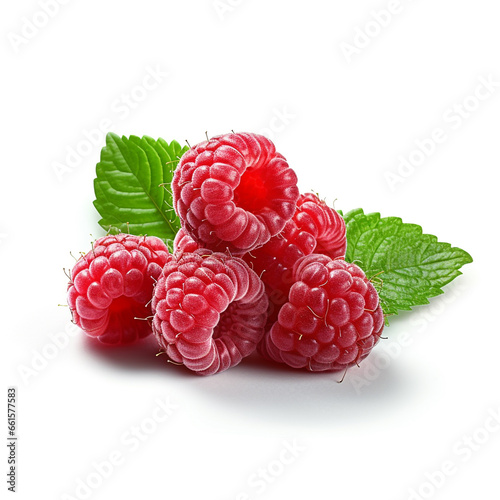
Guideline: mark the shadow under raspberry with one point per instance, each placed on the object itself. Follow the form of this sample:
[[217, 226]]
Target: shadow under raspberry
[[273, 392], [141, 355]]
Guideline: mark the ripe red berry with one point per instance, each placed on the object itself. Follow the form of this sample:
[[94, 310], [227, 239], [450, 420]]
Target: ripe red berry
[[234, 192], [324, 223], [209, 310], [112, 285], [315, 227], [332, 319], [184, 243]]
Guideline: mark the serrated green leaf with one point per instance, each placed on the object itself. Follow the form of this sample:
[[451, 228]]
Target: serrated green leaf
[[132, 186], [406, 266]]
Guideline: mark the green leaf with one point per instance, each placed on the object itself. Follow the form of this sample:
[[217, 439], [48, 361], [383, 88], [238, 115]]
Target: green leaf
[[132, 186], [406, 266]]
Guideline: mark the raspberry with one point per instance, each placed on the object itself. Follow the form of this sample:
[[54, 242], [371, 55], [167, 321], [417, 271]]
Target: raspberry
[[315, 227], [113, 283], [184, 243], [234, 192], [209, 310], [332, 319], [324, 223]]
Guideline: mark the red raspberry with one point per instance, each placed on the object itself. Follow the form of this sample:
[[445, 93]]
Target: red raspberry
[[324, 223], [209, 310], [113, 284], [332, 319], [184, 243], [315, 227], [234, 192]]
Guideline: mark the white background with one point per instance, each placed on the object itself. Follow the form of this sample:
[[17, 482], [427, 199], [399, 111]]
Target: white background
[[342, 121]]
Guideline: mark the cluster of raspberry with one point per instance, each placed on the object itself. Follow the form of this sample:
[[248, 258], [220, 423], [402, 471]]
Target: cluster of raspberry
[[256, 267]]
